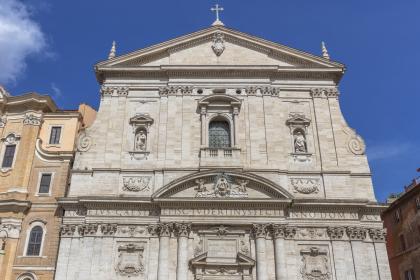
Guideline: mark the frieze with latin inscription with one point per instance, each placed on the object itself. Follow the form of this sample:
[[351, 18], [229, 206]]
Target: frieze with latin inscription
[[222, 212]]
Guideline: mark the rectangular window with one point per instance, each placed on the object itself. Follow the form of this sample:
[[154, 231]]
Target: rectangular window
[[9, 154], [44, 185], [409, 275], [402, 242], [55, 135]]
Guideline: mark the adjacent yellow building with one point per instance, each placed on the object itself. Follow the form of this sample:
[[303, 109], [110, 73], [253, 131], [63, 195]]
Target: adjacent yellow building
[[37, 145]]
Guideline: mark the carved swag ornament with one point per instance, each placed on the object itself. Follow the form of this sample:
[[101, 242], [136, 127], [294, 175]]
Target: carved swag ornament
[[136, 184], [305, 185]]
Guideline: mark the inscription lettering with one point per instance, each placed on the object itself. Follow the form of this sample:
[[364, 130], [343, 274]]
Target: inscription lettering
[[324, 215], [221, 212]]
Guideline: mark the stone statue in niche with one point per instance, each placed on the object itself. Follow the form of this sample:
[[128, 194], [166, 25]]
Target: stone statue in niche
[[300, 142], [140, 140]]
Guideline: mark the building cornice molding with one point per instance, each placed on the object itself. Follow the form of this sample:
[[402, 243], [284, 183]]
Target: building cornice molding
[[14, 205], [34, 101]]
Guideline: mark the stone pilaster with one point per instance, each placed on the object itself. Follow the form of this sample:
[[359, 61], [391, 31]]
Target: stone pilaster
[[279, 233], [343, 257], [260, 233], [164, 231], [182, 230]]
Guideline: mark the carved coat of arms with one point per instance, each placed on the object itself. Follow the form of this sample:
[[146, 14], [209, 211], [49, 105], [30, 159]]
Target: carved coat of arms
[[218, 44], [130, 259], [314, 264], [223, 186]]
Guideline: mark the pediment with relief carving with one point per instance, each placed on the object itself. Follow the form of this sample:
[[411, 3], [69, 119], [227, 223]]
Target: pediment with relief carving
[[219, 185], [218, 45]]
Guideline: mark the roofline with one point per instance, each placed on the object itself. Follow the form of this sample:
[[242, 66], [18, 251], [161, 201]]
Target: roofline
[[32, 97], [405, 196]]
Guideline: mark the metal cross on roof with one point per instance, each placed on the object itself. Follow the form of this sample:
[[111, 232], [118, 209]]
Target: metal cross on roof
[[217, 9]]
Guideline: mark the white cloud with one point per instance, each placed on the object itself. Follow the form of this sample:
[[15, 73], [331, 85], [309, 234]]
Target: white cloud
[[56, 91], [20, 37], [389, 150]]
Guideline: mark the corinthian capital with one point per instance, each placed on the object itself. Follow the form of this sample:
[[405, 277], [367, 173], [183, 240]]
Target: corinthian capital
[[182, 229], [165, 229], [377, 234], [356, 233], [336, 232], [260, 230], [153, 229], [278, 231]]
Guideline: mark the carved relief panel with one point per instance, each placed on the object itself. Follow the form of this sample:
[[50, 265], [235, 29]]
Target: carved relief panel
[[314, 263], [130, 262], [136, 185], [223, 186], [304, 186]]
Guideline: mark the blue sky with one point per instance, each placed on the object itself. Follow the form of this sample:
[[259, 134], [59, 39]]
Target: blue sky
[[51, 46]]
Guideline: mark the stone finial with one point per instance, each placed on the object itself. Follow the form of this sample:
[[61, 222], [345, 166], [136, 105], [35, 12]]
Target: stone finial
[[112, 51], [324, 51]]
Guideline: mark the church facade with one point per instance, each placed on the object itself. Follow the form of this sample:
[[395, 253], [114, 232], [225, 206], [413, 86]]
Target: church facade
[[220, 155]]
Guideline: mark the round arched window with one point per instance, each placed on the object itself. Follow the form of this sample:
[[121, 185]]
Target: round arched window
[[35, 241], [219, 134]]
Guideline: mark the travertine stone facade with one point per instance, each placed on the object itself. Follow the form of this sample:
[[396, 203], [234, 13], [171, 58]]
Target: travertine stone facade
[[218, 155], [26, 123]]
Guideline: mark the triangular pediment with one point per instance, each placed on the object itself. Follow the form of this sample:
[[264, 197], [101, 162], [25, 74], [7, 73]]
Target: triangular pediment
[[216, 46], [222, 185]]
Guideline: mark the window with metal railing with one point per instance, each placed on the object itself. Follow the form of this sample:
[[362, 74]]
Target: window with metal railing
[[219, 134]]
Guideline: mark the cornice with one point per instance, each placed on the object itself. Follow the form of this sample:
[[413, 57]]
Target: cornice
[[257, 72], [32, 100], [63, 114], [251, 170], [14, 205]]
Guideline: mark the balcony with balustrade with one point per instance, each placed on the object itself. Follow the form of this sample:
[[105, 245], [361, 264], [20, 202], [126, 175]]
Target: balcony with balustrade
[[220, 157]]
